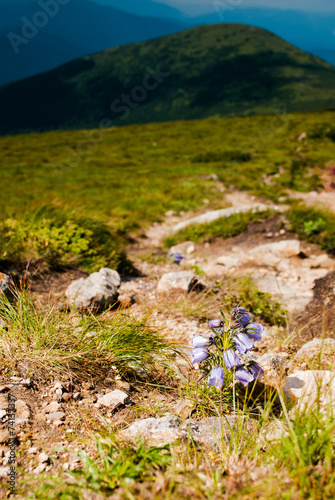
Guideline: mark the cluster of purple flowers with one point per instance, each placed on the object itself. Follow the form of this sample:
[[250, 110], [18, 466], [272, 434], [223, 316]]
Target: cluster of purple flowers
[[176, 257], [231, 342]]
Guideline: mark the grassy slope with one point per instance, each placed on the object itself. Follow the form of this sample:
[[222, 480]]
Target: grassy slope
[[222, 70], [132, 175]]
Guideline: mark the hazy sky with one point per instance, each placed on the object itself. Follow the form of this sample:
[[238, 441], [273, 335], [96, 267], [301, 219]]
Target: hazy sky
[[208, 5]]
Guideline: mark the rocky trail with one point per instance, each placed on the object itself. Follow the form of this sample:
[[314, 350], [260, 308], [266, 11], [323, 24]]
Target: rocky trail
[[53, 418]]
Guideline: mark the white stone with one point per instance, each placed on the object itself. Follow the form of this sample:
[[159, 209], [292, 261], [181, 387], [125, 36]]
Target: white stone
[[52, 407], [113, 399], [184, 280], [99, 291], [316, 346], [313, 386], [42, 458], [227, 261]]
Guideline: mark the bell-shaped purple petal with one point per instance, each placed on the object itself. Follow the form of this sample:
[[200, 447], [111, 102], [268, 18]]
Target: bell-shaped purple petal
[[254, 330], [231, 359], [240, 315], [242, 343], [256, 370], [216, 377], [178, 258], [198, 355], [243, 376], [201, 341], [215, 323]]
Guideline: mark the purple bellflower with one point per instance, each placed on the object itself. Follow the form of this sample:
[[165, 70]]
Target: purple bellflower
[[254, 330], [201, 341], [178, 258], [216, 378], [256, 370], [240, 315], [242, 343], [243, 376], [231, 359], [198, 355], [215, 323]]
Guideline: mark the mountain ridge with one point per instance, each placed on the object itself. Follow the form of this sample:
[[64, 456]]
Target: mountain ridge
[[221, 70]]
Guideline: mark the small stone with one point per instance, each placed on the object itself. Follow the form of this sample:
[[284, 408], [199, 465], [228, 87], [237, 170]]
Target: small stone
[[42, 458], [183, 280], [76, 396], [114, 399], [4, 472], [313, 386], [2, 414], [269, 235], [22, 410], [52, 407], [122, 385], [58, 415], [87, 386], [66, 396], [40, 468], [57, 385], [315, 347], [32, 451]]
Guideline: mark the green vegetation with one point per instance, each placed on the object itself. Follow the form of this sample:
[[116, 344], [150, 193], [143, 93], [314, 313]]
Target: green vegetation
[[296, 465], [314, 225], [223, 70], [114, 466], [44, 342], [132, 175], [220, 228]]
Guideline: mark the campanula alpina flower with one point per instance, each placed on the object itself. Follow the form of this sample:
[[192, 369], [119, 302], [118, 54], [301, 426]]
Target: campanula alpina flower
[[243, 376], [240, 315], [216, 378], [256, 370], [201, 341], [242, 343], [231, 359], [178, 258], [198, 355], [215, 323], [254, 330]]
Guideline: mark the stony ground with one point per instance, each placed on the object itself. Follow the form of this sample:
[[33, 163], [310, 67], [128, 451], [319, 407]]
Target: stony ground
[[55, 419]]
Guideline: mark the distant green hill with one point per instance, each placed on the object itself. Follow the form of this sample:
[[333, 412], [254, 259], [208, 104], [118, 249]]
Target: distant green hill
[[209, 71]]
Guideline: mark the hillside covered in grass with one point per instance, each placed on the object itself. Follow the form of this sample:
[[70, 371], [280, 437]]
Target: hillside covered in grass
[[208, 71], [80, 195]]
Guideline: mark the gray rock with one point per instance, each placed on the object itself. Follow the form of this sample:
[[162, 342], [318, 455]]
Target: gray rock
[[98, 292], [313, 386], [315, 347], [186, 248], [114, 399], [6, 286], [272, 253], [183, 280], [225, 212], [169, 429], [161, 431]]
